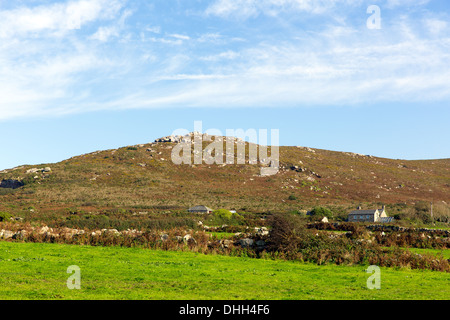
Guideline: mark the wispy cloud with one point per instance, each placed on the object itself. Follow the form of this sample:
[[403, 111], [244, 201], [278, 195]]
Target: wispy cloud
[[227, 55], [42, 58], [252, 8], [179, 36], [56, 18], [405, 3], [437, 26], [110, 59]]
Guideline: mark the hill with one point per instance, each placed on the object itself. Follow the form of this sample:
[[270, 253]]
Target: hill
[[143, 178]]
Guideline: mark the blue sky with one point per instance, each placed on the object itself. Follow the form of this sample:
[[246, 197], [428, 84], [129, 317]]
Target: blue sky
[[84, 75]]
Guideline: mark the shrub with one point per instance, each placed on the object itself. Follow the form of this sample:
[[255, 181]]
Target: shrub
[[223, 213], [223, 216], [302, 213], [292, 197], [4, 216], [284, 229], [322, 212], [29, 180], [445, 219], [424, 217]]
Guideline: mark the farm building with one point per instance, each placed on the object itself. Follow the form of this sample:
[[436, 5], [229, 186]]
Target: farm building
[[374, 215], [200, 209]]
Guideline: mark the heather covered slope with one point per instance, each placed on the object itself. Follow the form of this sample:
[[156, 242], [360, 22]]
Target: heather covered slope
[[143, 177]]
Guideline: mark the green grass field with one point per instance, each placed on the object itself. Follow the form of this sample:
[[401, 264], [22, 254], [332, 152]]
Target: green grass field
[[221, 235], [39, 271], [435, 252]]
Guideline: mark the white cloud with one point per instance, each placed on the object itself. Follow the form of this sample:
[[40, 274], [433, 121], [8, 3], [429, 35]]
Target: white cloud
[[347, 69], [227, 55], [436, 26], [252, 8], [391, 4], [103, 34], [179, 36], [333, 65], [40, 74], [155, 29], [210, 37], [164, 40], [57, 18]]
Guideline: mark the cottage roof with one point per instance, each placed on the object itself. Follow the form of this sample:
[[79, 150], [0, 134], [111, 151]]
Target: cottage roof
[[200, 208], [364, 211]]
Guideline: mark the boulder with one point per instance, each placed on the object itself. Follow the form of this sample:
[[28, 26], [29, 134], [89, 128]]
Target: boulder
[[43, 230], [33, 170], [112, 231], [164, 237], [263, 231], [132, 232], [188, 239], [169, 139], [20, 235], [226, 243], [245, 243], [6, 234], [260, 243]]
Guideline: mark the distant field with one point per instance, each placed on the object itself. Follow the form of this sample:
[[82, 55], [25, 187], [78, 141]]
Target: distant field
[[444, 253], [435, 252], [221, 235], [38, 271]]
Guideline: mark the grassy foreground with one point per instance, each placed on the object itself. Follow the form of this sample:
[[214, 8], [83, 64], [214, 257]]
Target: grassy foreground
[[39, 271]]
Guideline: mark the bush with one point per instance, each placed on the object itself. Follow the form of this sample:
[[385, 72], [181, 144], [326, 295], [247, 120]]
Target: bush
[[322, 212], [223, 213], [424, 217], [292, 197], [445, 219], [422, 212], [4, 216], [284, 229], [223, 216]]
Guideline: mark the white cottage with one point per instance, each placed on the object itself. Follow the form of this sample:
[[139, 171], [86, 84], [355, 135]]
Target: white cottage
[[374, 215]]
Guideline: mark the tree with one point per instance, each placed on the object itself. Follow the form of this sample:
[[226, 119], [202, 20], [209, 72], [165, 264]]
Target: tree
[[322, 212]]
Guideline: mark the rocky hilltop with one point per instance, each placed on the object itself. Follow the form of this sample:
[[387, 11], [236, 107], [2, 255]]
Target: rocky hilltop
[[143, 176]]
